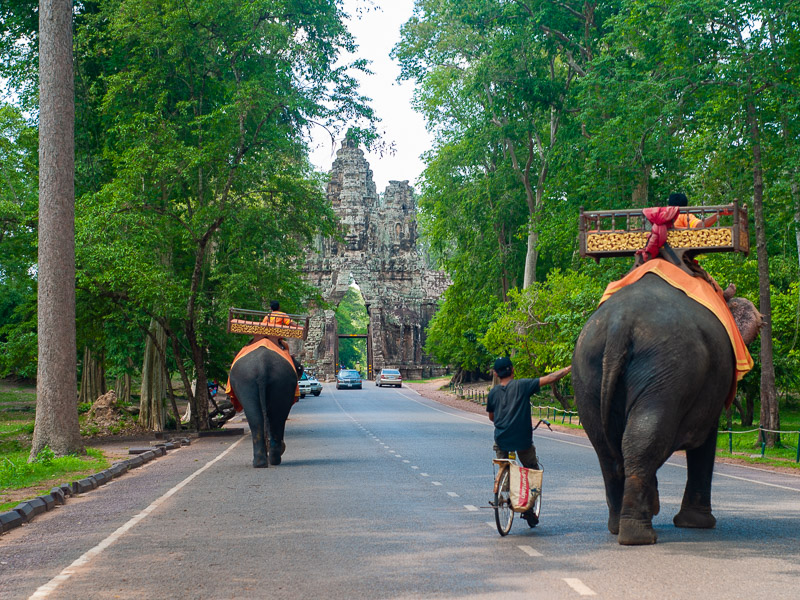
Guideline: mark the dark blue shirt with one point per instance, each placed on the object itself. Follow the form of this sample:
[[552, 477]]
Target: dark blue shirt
[[511, 405]]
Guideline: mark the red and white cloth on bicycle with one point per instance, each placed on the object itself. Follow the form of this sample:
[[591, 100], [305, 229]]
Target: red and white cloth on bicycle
[[526, 484]]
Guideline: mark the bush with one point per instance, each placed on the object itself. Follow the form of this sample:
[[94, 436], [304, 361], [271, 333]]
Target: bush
[[539, 325]]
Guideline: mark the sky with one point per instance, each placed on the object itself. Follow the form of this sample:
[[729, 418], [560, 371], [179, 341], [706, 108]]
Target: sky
[[376, 32]]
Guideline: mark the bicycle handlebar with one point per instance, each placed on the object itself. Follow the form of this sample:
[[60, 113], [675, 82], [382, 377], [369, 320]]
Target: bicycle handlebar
[[546, 422]]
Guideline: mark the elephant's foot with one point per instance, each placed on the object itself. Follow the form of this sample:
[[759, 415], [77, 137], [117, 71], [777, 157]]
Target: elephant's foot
[[275, 452], [613, 523], [636, 533], [695, 518], [260, 462]]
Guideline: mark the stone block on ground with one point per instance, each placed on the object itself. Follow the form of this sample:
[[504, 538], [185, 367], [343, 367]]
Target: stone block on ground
[[66, 488], [49, 501], [84, 485], [9, 520], [25, 510], [58, 495], [138, 450], [136, 461], [148, 456], [38, 505], [119, 468], [101, 478]]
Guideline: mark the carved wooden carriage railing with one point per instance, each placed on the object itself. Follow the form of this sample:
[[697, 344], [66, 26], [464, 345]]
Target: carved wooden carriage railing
[[260, 322], [607, 233]]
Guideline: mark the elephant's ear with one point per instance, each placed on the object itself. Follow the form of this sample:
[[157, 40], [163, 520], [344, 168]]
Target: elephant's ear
[[298, 366], [747, 318]]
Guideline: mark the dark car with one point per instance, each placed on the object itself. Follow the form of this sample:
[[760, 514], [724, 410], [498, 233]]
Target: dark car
[[348, 378], [389, 377]]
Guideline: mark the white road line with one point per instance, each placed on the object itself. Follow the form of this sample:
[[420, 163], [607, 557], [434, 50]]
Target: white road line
[[45, 590], [452, 494], [435, 483], [424, 475], [406, 461], [529, 551], [470, 508], [491, 524], [729, 476], [579, 586], [414, 467]]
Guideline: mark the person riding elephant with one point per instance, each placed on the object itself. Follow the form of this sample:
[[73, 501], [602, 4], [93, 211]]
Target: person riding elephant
[[652, 370]]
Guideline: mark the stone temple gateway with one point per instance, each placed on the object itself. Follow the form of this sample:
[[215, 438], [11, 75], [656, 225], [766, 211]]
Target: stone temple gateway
[[380, 252]]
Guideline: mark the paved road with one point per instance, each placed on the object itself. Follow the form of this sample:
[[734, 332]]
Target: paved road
[[380, 496]]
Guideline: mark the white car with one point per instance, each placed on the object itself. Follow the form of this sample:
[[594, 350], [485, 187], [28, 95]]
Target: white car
[[316, 386], [305, 385]]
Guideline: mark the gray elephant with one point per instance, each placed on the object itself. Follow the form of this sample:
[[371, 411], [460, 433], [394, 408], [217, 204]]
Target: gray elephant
[[264, 384], [652, 370]]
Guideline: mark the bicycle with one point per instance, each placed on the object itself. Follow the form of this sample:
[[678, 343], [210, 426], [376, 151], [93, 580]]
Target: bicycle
[[503, 507]]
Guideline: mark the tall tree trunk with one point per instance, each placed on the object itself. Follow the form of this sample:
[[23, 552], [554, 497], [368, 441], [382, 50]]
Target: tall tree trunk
[[770, 416], [796, 199], [151, 403], [122, 386], [93, 379], [56, 422]]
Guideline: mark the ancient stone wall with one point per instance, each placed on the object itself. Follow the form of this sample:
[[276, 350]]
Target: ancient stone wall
[[380, 251]]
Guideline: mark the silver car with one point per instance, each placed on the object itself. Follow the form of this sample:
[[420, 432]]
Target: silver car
[[389, 377]]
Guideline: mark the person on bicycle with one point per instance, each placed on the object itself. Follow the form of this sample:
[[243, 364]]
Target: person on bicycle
[[509, 408]]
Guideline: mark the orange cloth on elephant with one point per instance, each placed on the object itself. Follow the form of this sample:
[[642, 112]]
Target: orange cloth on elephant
[[262, 343], [701, 291]]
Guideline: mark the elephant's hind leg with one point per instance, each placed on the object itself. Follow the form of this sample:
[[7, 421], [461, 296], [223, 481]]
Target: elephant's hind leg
[[644, 451], [254, 411], [636, 520], [696, 505]]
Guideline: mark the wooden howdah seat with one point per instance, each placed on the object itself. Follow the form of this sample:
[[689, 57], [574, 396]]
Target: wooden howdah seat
[[261, 322], [609, 233]]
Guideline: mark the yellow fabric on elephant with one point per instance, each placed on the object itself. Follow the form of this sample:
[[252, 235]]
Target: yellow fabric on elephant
[[700, 291]]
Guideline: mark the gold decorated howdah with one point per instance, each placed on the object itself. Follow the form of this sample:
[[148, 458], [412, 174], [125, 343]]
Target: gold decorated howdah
[[260, 322], [606, 233]]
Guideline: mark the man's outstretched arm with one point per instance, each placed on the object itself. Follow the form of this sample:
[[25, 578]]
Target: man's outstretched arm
[[554, 376]]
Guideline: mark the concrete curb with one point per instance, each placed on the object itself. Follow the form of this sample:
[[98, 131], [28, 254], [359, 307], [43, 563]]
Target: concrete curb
[[27, 511]]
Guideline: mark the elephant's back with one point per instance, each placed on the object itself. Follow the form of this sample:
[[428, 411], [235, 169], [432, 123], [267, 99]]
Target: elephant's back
[[653, 308], [264, 365], [660, 336]]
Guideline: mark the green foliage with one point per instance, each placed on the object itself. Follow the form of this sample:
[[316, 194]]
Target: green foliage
[[352, 318], [18, 243], [45, 456], [16, 472], [539, 325]]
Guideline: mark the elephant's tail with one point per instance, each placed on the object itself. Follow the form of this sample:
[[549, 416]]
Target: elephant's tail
[[615, 357]]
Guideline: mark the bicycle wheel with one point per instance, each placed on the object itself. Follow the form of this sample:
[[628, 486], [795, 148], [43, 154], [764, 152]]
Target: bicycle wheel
[[503, 515]]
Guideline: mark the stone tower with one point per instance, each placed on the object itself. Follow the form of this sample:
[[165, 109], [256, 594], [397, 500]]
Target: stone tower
[[380, 251]]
